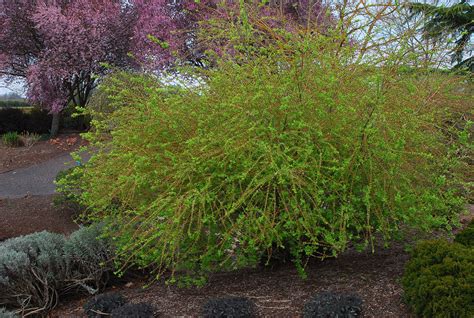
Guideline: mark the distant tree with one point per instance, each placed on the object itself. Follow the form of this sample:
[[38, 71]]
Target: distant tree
[[457, 20], [63, 47]]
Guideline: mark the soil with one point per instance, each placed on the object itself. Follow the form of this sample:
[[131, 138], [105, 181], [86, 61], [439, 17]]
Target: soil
[[280, 291], [19, 157], [34, 214]]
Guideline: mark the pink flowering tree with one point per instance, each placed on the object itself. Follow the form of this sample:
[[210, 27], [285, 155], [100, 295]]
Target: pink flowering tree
[[62, 48]]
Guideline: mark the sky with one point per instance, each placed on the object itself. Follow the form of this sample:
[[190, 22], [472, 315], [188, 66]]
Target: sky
[[14, 87]]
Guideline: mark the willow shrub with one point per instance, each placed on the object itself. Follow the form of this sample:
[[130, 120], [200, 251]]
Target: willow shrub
[[297, 148]]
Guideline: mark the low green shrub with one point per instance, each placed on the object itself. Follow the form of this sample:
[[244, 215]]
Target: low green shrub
[[72, 120], [35, 269], [102, 305], [140, 310], [333, 305], [466, 236], [229, 307], [12, 139], [439, 280]]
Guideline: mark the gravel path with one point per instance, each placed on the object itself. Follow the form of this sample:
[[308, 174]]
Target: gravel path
[[34, 180]]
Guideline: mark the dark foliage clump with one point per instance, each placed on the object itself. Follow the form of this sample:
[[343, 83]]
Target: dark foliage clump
[[329, 305], [18, 120], [466, 236], [133, 311], [38, 121], [439, 280], [229, 307], [72, 121], [103, 305]]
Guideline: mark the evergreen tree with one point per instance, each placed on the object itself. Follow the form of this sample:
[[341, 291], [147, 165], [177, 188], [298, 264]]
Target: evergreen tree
[[456, 20]]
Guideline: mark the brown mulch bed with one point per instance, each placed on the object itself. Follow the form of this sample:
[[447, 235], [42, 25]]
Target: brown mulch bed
[[33, 214], [19, 157], [280, 292]]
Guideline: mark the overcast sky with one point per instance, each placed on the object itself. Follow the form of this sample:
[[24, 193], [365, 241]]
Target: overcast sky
[[14, 87]]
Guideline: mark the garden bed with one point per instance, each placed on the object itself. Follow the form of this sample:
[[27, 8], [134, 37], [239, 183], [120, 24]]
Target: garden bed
[[19, 157], [279, 291], [34, 214]]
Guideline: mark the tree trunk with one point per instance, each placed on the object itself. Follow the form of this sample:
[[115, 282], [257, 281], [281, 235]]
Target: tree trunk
[[55, 125]]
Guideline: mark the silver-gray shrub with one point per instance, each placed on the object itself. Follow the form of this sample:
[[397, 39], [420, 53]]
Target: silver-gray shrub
[[88, 259], [7, 314], [32, 268], [36, 269]]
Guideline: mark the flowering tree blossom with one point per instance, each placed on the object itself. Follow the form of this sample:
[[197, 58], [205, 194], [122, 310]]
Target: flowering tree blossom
[[63, 47]]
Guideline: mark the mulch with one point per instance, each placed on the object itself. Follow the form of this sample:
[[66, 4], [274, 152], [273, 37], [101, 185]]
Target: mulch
[[280, 291], [33, 214]]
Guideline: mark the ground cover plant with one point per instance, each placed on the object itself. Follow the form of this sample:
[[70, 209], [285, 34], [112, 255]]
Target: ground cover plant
[[29, 139], [36, 269], [102, 305], [439, 280], [12, 139], [229, 307], [294, 145], [333, 305], [140, 310], [466, 236]]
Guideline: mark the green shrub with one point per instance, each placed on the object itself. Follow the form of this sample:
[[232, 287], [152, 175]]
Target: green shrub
[[72, 120], [14, 103], [69, 192], [439, 280], [466, 236], [35, 269], [279, 152], [36, 120], [12, 139]]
